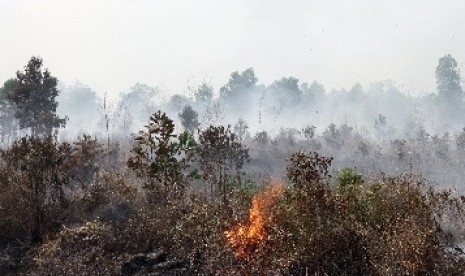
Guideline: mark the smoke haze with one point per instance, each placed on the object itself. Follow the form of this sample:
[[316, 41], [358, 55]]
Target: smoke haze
[[110, 45]]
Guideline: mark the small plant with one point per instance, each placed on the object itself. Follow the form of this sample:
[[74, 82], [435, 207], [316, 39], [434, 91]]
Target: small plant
[[349, 177]]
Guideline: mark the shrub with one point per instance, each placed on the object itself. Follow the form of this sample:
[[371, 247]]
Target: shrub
[[35, 173], [220, 156], [161, 159]]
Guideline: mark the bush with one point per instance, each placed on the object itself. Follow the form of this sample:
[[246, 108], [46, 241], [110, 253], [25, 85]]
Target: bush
[[34, 174]]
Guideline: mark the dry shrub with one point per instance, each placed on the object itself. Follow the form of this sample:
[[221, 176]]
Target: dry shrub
[[81, 250], [14, 218], [199, 235], [37, 176], [200, 232], [382, 227], [35, 172], [110, 190]]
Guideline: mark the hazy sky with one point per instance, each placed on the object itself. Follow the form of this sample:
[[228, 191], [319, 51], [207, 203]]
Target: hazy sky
[[112, 44]]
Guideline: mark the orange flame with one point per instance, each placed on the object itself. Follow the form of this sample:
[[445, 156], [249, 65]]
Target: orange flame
[[245, 238]]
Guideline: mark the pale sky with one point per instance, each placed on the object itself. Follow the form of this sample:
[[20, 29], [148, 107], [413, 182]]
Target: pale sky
[[112, 44]]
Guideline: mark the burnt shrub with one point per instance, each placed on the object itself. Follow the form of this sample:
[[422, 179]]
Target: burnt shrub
[[220, 155], [38, 177], [34, 174]]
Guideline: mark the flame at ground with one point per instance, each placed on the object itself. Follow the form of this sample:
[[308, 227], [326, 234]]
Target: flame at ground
[[246, 237]]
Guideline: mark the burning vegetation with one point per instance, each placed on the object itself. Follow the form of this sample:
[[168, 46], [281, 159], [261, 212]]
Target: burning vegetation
[[250, 236]]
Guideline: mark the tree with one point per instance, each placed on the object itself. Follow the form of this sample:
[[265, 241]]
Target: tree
[[448, 80], [189, 118], [241, 128], [213, 114], [238, 84], [381, 123], [309, 132], [8, 122], [313, 91], [221, 157], [356, 92], [262, 137], [34, 98], [286, 91], [177, 102], [138, 101], [204, 94]]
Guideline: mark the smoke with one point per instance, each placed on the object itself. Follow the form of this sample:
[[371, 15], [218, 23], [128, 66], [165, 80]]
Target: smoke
[[378, 129]]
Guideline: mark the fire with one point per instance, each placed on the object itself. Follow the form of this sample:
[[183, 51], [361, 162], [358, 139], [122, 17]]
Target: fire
[[246, 237]]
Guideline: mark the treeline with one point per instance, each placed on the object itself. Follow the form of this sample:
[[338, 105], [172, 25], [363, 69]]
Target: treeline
[[286, 103]]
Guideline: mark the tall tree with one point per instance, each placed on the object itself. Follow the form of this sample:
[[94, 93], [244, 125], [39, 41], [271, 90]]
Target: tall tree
[[448, 80], [134, 107], [204, 94], [178, 102], [312, 92], [238, 84], [286, 91], [34, 98], [356, 93], [8, 122]]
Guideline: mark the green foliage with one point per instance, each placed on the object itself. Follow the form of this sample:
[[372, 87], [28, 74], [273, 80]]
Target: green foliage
[[35, 175], [161, 159], [34, 98], [189, 118], [349, 177], [238, 84]]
